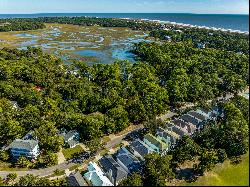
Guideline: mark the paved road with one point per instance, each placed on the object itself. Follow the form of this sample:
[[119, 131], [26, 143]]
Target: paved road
[[117, 140], [39, 172], [113, 142], [48, 171]]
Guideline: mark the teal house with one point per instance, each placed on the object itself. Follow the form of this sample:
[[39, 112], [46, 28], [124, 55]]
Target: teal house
[[155, 143]]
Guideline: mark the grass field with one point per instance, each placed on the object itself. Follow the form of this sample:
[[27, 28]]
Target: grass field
[[225, 174], [69, 152]]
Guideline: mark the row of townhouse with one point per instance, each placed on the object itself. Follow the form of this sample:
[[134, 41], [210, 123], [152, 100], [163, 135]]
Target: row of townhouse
[[115, 168], [187, 124]]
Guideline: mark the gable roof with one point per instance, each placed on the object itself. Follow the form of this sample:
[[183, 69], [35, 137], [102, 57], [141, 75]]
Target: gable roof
[[155, 141], [96, 176], [140, 147], [28, 145], [205, 111], [190, 119], [197, 115], [176, 129], [69, 135], [184, 126], [109, 165], [167, 132], [126, 157], [76, 179]]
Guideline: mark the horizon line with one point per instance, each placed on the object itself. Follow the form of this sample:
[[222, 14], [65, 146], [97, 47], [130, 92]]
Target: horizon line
[[125, 13]]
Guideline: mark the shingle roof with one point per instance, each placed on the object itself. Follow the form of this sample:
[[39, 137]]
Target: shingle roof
[[96, 176], [190, 119], [127, 158], [162, 133], [170, 133], [185, 127], [180, 123], [76, 180], [140, 147], [155, 141], [110, 165], [24, 144], [197, 115], [176, 129], [205, 110], [69, 134]]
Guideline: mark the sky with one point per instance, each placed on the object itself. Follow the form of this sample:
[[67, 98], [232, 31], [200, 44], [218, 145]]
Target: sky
[[125, 6]]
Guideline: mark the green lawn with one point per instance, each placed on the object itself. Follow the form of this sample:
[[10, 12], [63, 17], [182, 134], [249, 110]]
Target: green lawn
[[225, 175], [69, 152]]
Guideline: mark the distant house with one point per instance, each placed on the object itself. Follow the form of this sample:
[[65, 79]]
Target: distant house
[[168, 38], [211, 114], [154, 143], [197, 115], [76, 179], [201, 45], [127, 161], [174, 127], [169, 137], [14, 104], [140, 149], [26, 148], [113, 170], [191, 119], [30, 136], [205, 112], [182, 127], [96, 176], [71, 138]]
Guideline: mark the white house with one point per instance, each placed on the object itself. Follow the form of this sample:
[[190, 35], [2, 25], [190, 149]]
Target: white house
[[26, 148], [96, 176]]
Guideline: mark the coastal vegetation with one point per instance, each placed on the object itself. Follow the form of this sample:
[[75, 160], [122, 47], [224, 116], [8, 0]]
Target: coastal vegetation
[[20, 25], [102, 99], [17, 24], [236, 42], [190, 74]]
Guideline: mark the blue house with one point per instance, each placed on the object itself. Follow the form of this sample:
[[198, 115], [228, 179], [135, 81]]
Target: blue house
[[127, 161], [140, 149]]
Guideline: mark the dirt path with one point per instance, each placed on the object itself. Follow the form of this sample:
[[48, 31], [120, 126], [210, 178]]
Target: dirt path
[[61, 158]]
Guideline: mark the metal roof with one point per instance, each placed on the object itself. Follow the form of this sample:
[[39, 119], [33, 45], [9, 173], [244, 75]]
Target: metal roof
[[24, 144], [140, 147], [76, 179], [190, 119], [197, 115], [127, 158], [109, 165]]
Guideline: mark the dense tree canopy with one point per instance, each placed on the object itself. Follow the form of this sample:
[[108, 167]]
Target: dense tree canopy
[[212, 39], [191, 74], [101, 99]]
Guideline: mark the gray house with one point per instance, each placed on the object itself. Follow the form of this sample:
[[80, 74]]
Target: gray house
[[127, 161], [191, 119], [112, 169], [76, 179], [176, 129], [188, 128], [167, 136], [26, 148], [140, 149], [71, 138]]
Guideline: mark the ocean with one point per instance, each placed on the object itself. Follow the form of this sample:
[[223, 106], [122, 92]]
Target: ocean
[[225, 21]]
